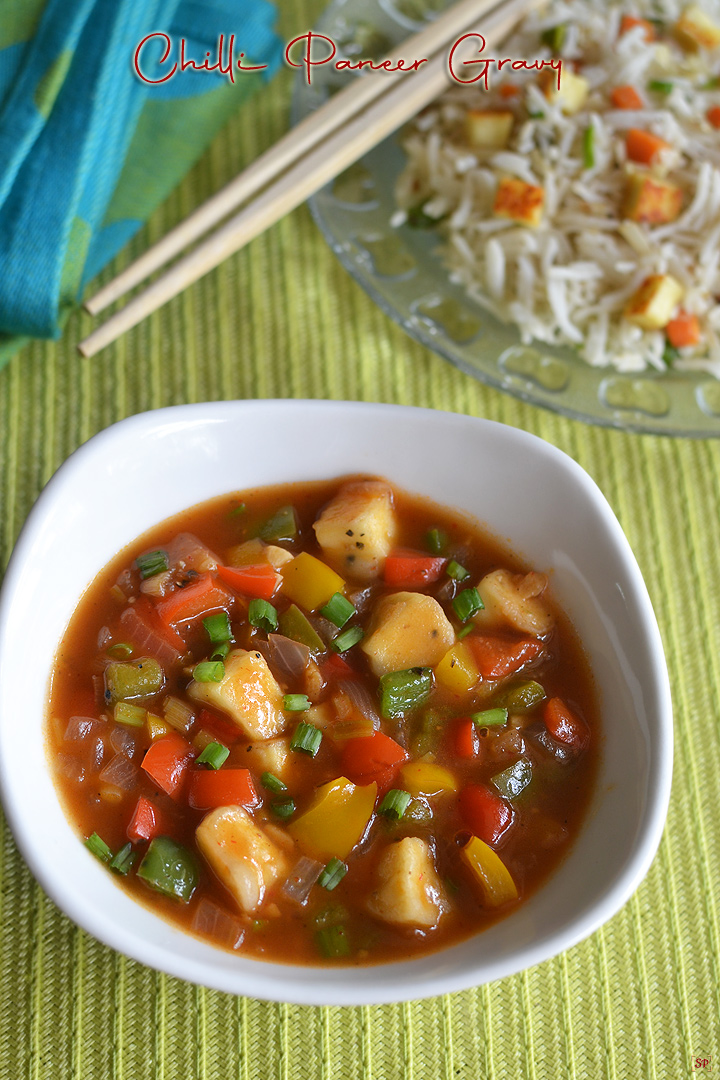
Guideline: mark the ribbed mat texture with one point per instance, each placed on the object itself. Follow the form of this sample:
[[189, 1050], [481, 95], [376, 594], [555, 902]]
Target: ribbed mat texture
[[641, 998]]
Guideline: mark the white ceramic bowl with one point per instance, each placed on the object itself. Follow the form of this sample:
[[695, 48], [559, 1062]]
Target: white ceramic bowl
[[151, 466]]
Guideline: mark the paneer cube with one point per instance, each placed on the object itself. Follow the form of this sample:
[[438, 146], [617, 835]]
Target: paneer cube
[[409, 891], [357, 529], [241, 855], [270, 755], [573, 91], [407, 630], [519, 201], [248, 694], [653, 305], [652, 201], [488, 130], [696, 30], [514, 600]]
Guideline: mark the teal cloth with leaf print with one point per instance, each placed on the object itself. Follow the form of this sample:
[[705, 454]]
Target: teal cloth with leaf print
[[87, 148]]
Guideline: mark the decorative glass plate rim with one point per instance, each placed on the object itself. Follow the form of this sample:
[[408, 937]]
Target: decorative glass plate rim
[[685, 415]]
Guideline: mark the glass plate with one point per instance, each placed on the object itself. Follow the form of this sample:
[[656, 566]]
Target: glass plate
[[402, 270]]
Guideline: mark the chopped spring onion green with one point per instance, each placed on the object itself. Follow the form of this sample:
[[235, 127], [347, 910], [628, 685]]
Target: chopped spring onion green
[[209, 671], [536, 115], [120, 650], [333, 874], [283, 808], [464, 631], [338, 610], [262, 614], [332, 941], [416, 217], [660, 86], [331, 916], [394, 804], [670, 354], [169, 868], [132, 715], [525, 695], [510, 782], [554, 36], [307, 738], [456, 571], [237, 510], [220, 652], [99, 848], [281, 526], [467, 603], [272, 783], [347, 639], [218, 627], [490, 717], [401, 691], [296, 702], [436, 541], [177, 713], [213, 755], [588, 147], [153, 562], [295, 625], [124, 860]]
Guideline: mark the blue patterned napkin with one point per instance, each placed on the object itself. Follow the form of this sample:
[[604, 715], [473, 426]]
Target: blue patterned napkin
[[88, 148]]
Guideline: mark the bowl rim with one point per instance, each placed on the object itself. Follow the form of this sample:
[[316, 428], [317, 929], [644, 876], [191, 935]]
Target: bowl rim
[[341, 985]]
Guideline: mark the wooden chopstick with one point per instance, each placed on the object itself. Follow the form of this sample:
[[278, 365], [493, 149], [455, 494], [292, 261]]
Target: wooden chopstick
[[306, 176], [356, 96]]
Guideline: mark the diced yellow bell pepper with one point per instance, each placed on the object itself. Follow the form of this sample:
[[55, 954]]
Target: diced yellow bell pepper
[[250, 553], [457, 670], [335, 820], [156, 727], [490, 872], [424, 778], [309, 582]]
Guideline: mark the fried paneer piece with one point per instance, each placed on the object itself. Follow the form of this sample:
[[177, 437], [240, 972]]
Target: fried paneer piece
[[241, 855], [407, 630], [409, 891], [248, 694], [357, 529]]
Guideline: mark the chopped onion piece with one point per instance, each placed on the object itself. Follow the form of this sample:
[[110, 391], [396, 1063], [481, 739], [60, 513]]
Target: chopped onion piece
[[80, 727], [177, 714], [70, 767], [216, 923], [146, 640], [301, 879], [186, 552], [360, 698], [288, 658], [123, 741], [121, 773]]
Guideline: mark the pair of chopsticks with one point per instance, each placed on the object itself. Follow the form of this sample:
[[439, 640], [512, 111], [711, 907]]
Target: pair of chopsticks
[[319, 148]]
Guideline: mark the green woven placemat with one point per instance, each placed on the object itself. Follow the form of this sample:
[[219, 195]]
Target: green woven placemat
[[638, 999]]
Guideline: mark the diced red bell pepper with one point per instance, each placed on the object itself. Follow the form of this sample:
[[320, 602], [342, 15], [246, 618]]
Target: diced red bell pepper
[[147, 821], [463, 738], [497, 657], [199, 598], [334, 667], [259, 581], [565, 725], [374, 758], [222, 787], [486, 814], [406, 567], [166, 762], [223, 730]]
